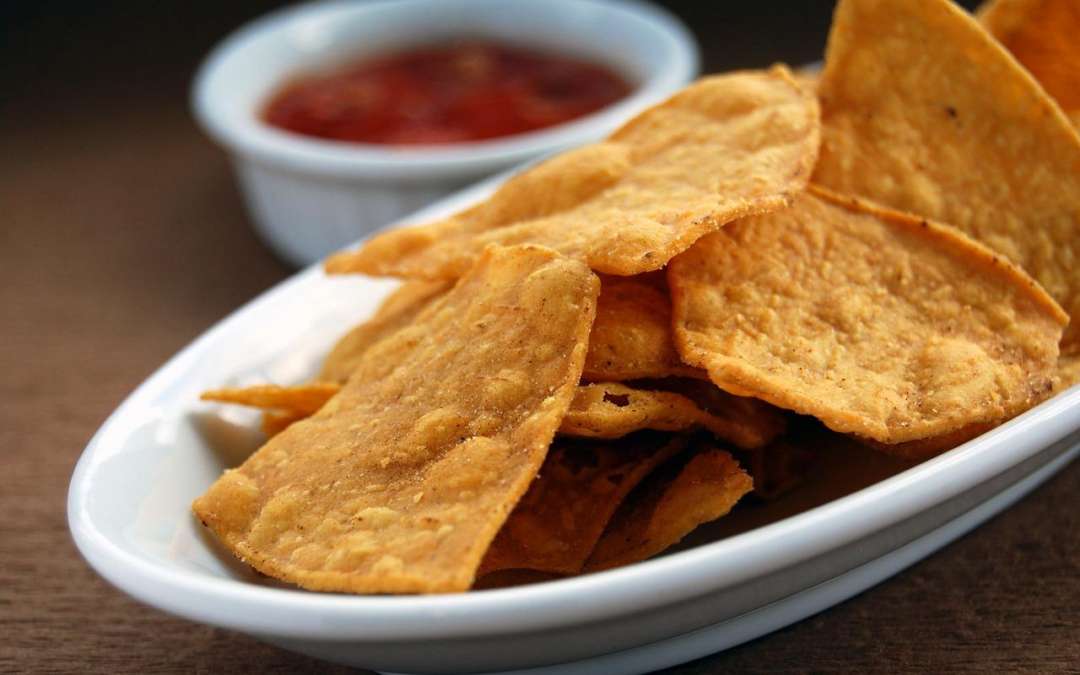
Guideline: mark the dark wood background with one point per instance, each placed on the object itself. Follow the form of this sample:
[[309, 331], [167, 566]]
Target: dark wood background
[[122, 238]]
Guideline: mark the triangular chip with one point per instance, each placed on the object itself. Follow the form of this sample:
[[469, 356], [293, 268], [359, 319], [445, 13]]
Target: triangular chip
[[1044, 36], [725, 147], [559, 520], [631, 338], [669, 505], [396, 312], [923, 111], [402, 480], [877, 323]]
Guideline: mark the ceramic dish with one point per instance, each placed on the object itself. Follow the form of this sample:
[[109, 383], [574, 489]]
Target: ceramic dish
[[308, 197], [129, 511]]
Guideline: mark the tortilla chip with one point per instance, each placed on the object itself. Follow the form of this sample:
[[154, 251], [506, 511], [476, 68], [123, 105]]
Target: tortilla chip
[[747, 422], [402, 480], [668, 506], [1044, 36], [875, 322], [725, 147], [302, 400], [631, 338], [398, 311], [559, 520], [925, 112]]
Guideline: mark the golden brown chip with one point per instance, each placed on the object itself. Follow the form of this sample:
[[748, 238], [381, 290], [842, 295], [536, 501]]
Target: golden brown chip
[[925, 112], [557, 523], [402, 480], [631, 338], [725, 147], [1044, 36], [668, 506], [398, 311], [302, 400], [876, 323], [749, 423]]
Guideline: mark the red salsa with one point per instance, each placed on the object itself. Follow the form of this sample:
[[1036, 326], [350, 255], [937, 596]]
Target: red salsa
[[444, 94]]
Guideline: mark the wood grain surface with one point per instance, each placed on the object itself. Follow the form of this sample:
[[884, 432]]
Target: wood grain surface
[[122, 238]]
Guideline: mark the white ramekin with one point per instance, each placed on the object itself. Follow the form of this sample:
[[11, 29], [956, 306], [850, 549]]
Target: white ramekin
[[308, 197]]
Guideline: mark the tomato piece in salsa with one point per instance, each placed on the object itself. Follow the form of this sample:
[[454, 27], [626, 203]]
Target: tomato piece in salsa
[[444, 94]]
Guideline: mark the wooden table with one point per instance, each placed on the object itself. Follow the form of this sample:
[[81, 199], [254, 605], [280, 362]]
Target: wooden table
[[122, 238]]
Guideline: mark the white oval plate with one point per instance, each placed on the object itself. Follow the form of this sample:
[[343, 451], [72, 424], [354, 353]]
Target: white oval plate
[[130, 496]]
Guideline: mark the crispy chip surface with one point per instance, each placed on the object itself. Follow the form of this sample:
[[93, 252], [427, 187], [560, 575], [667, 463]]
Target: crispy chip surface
[[398, 311], [1044, 36], [874, 322], [631, 338], [925, 112], [301, 400], [725, 147], [559, 520], [668, 506], [400, 483]]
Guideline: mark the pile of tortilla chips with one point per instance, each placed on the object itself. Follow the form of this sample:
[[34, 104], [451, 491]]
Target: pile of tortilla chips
[[605, 354]]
